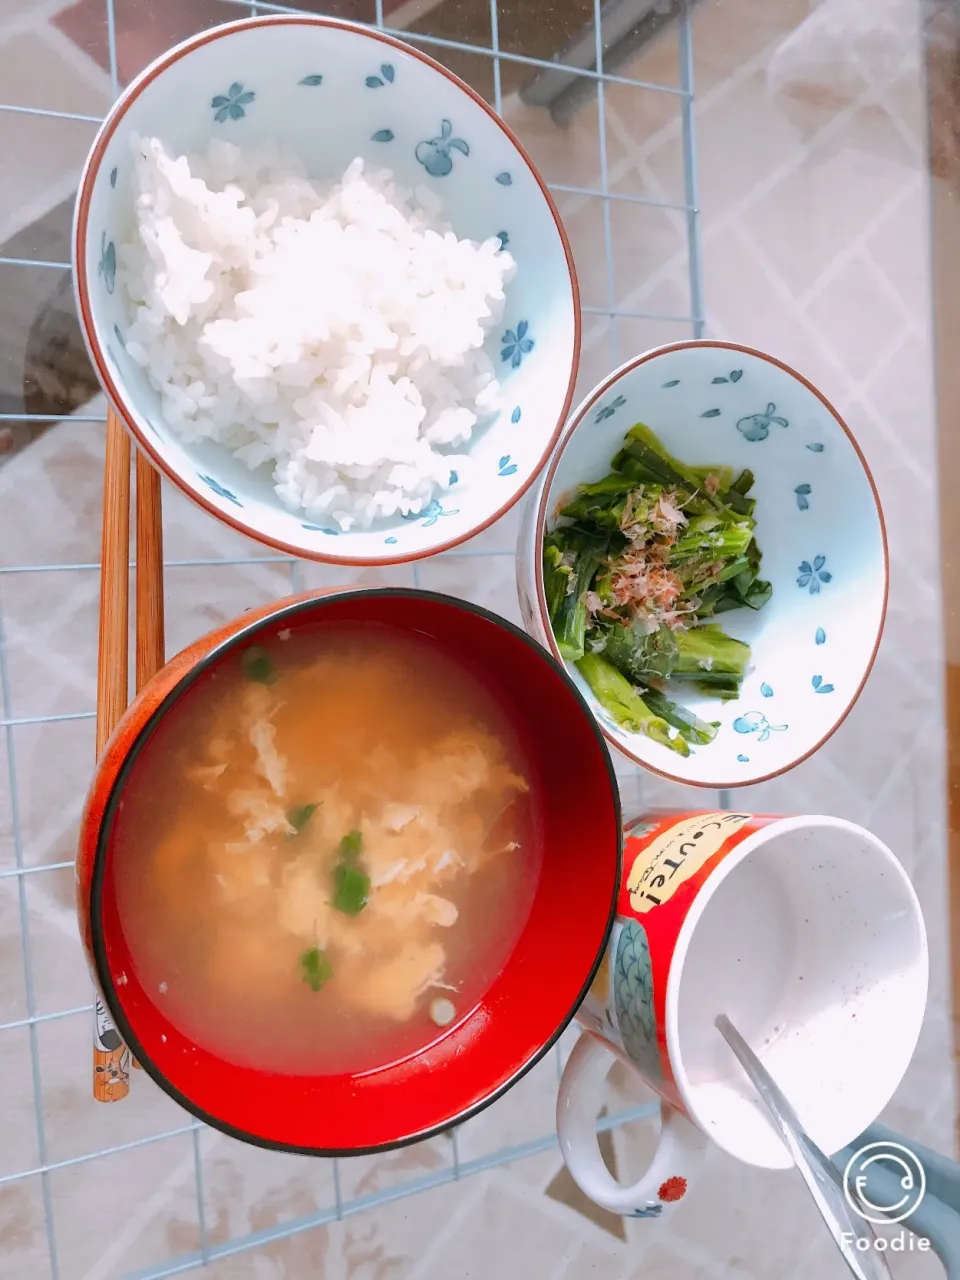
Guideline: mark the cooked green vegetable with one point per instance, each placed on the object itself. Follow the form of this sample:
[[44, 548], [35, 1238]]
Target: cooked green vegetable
[[351, 888], [618, 696], [636, 570], [258, 665], [315, 968], [570, 620], [640, 654], [351, 845], [694, 730], [300, 815]]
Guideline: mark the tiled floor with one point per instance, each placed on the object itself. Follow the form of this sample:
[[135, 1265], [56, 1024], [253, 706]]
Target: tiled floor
[[813, 193]]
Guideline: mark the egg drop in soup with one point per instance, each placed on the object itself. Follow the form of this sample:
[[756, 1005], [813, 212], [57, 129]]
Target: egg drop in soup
[[326, 853]]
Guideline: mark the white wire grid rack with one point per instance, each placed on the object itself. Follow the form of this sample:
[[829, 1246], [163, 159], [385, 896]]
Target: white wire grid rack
[[691, 323]]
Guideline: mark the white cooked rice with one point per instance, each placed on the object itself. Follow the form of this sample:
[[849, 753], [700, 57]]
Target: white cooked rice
[[331, 330]]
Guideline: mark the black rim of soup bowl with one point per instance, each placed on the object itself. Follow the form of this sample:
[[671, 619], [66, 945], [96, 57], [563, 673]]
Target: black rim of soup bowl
[[216, 655]]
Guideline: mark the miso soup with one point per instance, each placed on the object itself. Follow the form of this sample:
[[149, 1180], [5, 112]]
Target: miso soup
[[327, 851]]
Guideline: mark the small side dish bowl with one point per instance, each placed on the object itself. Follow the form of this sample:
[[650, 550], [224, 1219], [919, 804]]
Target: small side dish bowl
[[819, 528], [331, 91], [530, 1000]]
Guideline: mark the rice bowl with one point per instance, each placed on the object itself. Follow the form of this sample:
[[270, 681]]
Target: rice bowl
[[456, 417]]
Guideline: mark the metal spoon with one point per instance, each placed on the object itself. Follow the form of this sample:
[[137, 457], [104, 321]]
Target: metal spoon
[[817, 1170]]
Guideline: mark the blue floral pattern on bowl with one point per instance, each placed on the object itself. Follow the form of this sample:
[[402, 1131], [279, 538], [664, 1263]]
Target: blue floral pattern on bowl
[[756, 426], [756, 722], [516, 344], [231, 105], [430, 514], [108, 263], [220, 490], [385, 77], [434, 153], [813, 576], [610, 409]]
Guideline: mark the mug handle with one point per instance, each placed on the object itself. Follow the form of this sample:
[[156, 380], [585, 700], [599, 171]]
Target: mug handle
[[676, 1161]]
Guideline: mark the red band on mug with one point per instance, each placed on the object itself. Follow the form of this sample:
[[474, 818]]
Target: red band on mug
[[666, 862]]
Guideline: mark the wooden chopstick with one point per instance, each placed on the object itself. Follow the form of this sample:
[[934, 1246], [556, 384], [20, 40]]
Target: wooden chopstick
[[110, 1056], [112, 691], [111, 1080], [150, 632], [150, 642]]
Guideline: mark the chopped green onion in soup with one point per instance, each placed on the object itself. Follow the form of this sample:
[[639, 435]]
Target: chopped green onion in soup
[[351, 888], [315, 968], [258, 665]]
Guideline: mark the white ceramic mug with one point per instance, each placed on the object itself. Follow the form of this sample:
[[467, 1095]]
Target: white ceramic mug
[[806, 932]]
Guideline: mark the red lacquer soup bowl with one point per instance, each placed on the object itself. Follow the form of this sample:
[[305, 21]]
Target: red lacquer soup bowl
[[530, 1001]]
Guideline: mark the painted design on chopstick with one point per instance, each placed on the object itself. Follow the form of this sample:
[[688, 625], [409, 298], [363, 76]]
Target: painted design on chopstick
[[111, 1058], [813, 576], [434, 153], [385, 77], [756, 426], [232, 105]]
